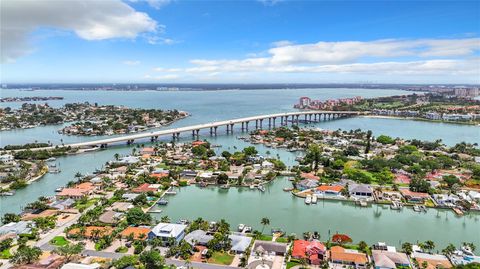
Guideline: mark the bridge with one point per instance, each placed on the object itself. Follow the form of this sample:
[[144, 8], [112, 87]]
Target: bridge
[[259, 122]]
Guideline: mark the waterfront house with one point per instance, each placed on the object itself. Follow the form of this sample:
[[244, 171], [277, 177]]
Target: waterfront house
[[239, 243], [310, 176], [62, 204], [188, 174], [235, 172], [350, 257], [198, 143], [360, 190], [130, 196], [328, 190], [167, 232], [389, 259], [433, 261], [474, 195], [73, 193], [269, 248], [144, 188], [414, 197], [121, 206], [446, 200], [147, 150], [306, 184], [267, 165], [198, 237], [42, 214], [138, 233], [127, 160], [312, 251]]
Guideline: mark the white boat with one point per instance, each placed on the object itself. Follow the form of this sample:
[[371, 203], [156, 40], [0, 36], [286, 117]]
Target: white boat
[[261, 188], [170, 192], [51, 159], [7, 193], [252, 187], [308, 199], [395, 206], [314, 199], [241, 227], [416, 208], [247, 229]]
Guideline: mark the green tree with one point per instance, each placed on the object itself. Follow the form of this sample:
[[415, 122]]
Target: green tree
[[448, 251], [26, 255], [136, 216], [70, 250], [264, 221], [152, 259], [10, 217], [407, 248], [126, 261], [385, 139]]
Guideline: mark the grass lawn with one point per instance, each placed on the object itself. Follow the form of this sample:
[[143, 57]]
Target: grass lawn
[[221, 258], [83, 206], [121, 249], [292, 263], [5, 254], [59, 241], [281, 240], [265, 237]]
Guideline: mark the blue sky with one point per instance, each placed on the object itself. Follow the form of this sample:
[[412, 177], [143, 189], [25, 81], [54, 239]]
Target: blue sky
[[163, 41]]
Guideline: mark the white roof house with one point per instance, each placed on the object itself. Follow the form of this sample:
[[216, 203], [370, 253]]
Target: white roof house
[[165, 231], [21, 227], [240, 243]]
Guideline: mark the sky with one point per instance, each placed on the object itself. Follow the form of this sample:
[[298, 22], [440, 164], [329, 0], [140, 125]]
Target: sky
[[268, 41]]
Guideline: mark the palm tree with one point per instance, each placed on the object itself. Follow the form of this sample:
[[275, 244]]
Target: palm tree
[[407, 248], [429, 245], [265, 221], [165, 219]]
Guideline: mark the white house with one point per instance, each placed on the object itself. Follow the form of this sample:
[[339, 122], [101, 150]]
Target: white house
[[166, 231]]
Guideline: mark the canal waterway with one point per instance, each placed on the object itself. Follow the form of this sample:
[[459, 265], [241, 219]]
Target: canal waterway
[[235, 205]]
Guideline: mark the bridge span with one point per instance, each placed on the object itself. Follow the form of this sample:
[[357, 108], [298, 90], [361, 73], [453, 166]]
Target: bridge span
[[261, 121]]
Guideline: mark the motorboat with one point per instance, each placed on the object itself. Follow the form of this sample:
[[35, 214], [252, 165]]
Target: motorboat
[[241, 227], [314, 199], [308, 199], [416, 208], [162, 202], [261, 188]]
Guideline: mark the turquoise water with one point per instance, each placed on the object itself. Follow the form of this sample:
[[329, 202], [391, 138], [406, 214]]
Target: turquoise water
[[236, 205]]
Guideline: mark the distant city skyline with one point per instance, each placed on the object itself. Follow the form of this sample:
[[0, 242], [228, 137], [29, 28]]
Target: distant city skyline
[[167, 41]]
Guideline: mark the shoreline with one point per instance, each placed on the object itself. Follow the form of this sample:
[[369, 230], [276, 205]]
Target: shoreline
[[418, 119]]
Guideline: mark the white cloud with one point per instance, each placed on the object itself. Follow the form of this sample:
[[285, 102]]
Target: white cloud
[[90, 20], [269, 2], [282, 43], [131, 62], [157, 4], [447, 59], [352, 51], [168, 70]]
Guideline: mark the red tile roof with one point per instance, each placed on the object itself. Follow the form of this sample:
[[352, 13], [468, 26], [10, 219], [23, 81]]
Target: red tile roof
[[302, 248]]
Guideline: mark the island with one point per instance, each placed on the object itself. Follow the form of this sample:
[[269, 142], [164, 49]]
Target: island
[[88, 119]]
